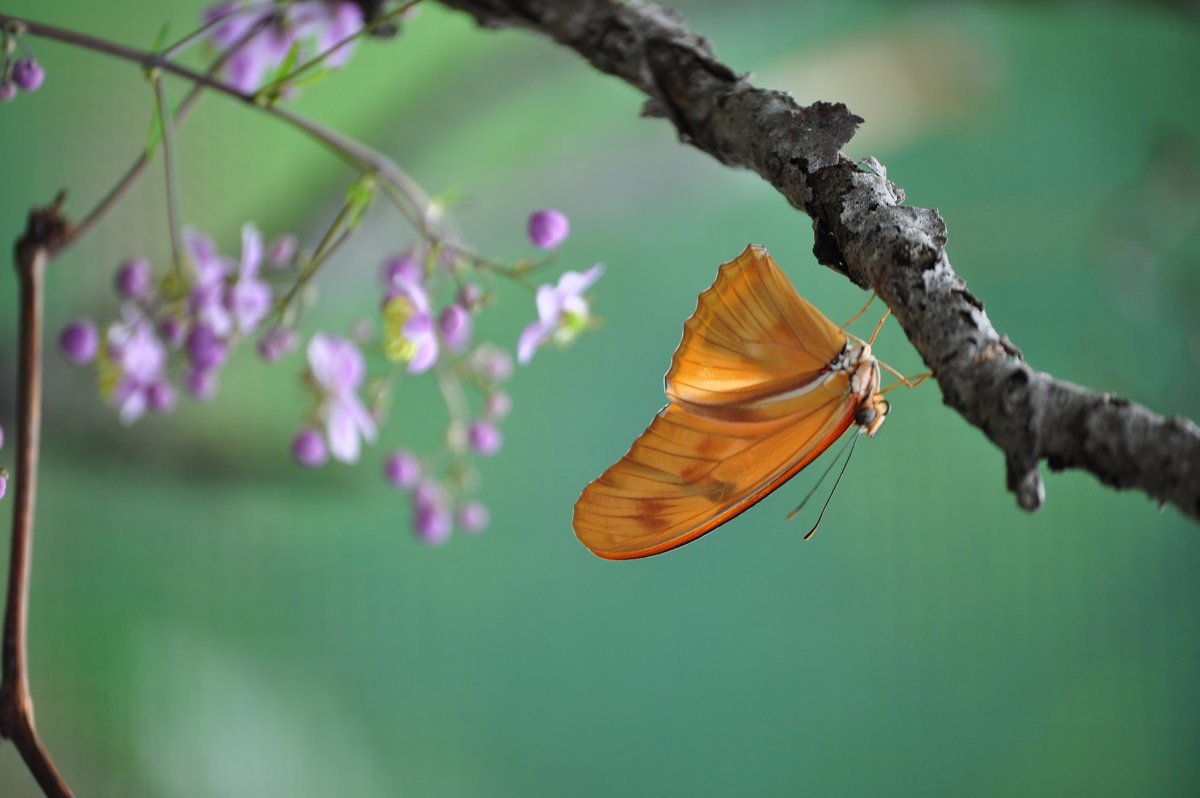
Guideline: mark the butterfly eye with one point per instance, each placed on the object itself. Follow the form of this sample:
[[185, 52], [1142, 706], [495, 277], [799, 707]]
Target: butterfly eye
[[865, 416]]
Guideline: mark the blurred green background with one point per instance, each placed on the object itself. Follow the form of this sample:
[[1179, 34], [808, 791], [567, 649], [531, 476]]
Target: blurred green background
[[209, 620]]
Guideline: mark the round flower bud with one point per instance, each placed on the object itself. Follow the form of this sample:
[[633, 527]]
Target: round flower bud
[[402, 269], [205, 349], [455, 326], [402, 469], [161, 397], [28, 74], [470, 296], [484, 438], [172, 331], [432, 525], [548, 229], [472, 517], [133, 278], [79, 341], [309, 449], [275, 343]]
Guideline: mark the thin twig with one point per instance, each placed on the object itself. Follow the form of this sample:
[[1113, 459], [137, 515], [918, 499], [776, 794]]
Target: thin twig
[[143, 161], [170, 172], [32, 254]]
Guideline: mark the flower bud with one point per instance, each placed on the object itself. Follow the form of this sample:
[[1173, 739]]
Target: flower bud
[[548, 229], [79, 341]]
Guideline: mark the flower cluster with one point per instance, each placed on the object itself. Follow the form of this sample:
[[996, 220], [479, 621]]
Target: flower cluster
[[22, 73], [192, 317], [195, 314], [264, 35], [428, 309]]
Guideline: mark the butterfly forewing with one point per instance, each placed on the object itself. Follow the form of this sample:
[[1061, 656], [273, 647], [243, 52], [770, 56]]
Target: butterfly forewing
[[751, 337], [752, 402]]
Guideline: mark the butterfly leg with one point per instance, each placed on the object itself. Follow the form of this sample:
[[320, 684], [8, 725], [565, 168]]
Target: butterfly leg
[[858, 315], [909, 382]]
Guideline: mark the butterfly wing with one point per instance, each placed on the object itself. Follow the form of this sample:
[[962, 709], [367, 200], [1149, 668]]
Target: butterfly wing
[[751, 338], [753, 401]]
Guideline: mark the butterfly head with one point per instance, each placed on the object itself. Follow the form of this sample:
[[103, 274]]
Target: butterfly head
[[864, 384]]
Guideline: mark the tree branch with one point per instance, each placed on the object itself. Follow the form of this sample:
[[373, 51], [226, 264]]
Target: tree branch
[[45, 234], [864, 231]]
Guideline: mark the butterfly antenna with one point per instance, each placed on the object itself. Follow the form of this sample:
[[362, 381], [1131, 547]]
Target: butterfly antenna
[[848, 444], [836, 482]]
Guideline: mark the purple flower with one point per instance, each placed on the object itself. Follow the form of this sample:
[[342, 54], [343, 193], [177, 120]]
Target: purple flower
[[432, 525], [79, 341], [3, 485], [472, 517], [315, 24], [484, 437], [402, 469], [1, 437], [207, 298], [431, 517], [275, 343], [337, 369], [330, 24], [249, 298], [408, 328], [308, 449], [470, 296], [138, 358], [173, 331], [548, 229], [206, 351], [161, 397], [133, 278], [455, 326], [562, 312], [28, 74], [403, 269]]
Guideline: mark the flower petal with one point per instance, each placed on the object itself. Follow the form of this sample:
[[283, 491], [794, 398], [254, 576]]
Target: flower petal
[[532, 337]]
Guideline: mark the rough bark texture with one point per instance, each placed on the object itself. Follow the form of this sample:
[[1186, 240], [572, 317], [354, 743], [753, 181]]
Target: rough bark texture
[[865, 232]]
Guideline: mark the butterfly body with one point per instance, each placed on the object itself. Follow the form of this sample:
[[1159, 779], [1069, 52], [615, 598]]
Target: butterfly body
[[761, 384]]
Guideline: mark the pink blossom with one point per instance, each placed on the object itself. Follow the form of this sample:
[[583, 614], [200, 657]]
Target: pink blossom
[[316, 25], [138, 358], [207, 298], [249, 298], [337, 369], [562, 312], [409, 333]]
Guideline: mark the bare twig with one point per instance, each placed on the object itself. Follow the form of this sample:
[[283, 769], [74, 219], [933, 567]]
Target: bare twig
[[43, 236], [864, 231]]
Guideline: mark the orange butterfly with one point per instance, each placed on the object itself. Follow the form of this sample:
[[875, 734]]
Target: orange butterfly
[[761, 384]]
